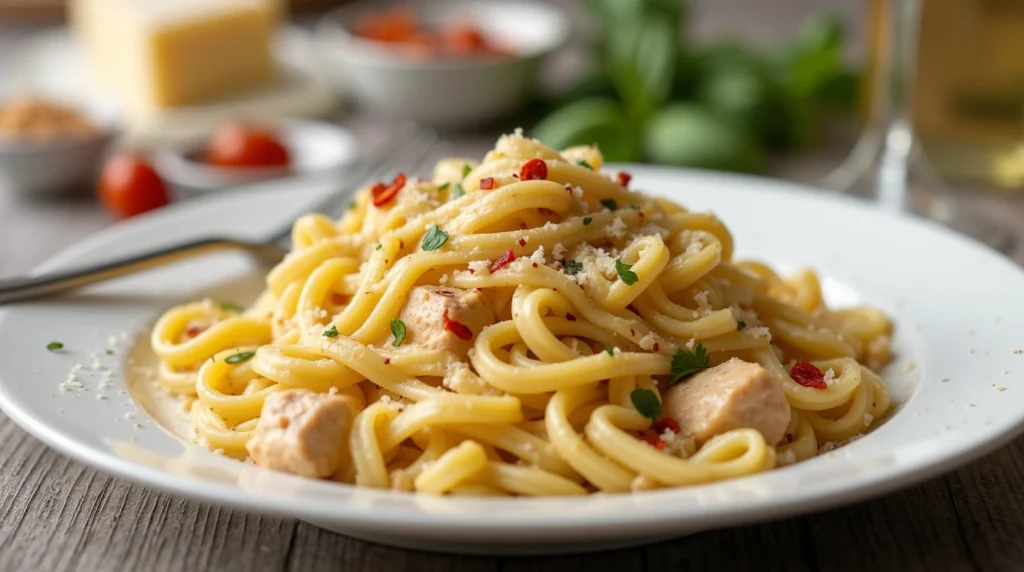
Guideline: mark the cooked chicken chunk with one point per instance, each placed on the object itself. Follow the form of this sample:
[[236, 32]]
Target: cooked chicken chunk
[[303, 432], [733, 395], [429, 307]]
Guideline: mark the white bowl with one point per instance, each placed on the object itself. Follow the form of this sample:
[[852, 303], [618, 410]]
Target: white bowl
[[445, 94], [44, 168], [315, 147]]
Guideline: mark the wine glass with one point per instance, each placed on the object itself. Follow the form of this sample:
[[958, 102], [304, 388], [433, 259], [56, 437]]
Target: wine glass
[[887, 162]]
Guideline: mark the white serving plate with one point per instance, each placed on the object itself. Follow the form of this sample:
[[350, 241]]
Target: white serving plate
[[957, 307]]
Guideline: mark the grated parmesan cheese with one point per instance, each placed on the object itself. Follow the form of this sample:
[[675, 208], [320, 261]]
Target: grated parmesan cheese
[[479, 265], [868, 418], [538, 255], [558, 251], [647, 342], [617, 229]]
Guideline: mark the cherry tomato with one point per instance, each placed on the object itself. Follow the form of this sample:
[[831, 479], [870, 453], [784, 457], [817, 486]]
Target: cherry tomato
[[239, 145], [129, 185], [463, 39]]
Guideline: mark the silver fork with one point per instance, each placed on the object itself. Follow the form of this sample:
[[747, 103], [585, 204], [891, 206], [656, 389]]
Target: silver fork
[[408, 149]]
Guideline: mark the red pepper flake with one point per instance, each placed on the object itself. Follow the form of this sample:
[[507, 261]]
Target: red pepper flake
[[194, 331], [807, 375], [502, 261], [382, 194], [522, 226], [632, 333], [487, 183], [624, 178], [653, 440], [534, 169], [640, 214], [387, 361], [446, 293], [460, 330], [789, 437], [522, 242], [666, 423], [657, 347], [568, 188], [471, 271], [534, 264], [515, 176], [570, 317], [546, 212]]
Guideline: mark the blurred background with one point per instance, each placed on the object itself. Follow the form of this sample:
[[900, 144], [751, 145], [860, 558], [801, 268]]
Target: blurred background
[[120, 106]]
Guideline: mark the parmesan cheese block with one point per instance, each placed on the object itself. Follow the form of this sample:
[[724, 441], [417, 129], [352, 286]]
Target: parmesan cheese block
[[165, 53]]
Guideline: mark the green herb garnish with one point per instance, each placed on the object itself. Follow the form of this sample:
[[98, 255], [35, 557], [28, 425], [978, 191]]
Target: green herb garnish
[[625, 272], [397, 330], [435, 238], [352, 206], [740, 324], [230, 307], [379, 246], [583, 163], [646, 403], [240, 357], [611, 204], [444, 187], [685, 363], [459, 191], [610, 350], [587, 220], [572, 268], [466, 169], [110, 352], [634, 206], [331, 333], [55, 346]]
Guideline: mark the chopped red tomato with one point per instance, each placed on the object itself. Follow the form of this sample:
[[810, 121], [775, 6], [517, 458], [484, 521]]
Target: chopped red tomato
[[807, 375], [487, 183], [460, 330], [502, 261], [624, 178], [534, 169], [382, 194], [666, 423], [654, 440]]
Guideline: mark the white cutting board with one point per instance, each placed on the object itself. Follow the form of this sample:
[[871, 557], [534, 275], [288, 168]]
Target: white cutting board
[[54, 64]]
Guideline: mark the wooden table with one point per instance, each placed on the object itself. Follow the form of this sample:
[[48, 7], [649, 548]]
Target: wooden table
[[57, 514]]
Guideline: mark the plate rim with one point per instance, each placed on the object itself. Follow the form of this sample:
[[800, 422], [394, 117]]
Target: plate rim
[[854, 490]]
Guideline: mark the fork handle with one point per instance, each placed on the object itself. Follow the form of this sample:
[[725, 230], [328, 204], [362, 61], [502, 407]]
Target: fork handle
[[51, 283]]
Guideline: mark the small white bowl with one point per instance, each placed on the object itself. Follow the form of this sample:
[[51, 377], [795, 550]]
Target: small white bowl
[[314, 147], [446, 94], [58, 166]]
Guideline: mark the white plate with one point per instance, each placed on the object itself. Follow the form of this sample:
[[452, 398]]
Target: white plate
[[957, 306]]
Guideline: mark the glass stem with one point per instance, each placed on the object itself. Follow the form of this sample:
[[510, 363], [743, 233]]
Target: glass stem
[[902, 36]]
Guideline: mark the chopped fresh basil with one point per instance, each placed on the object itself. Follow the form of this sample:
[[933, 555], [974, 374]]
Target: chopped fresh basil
[[583, 163], [55, 346], [230, 307], [685, 363], [466, 170], [397, 330], [611, 204], [646, 403], [459, 190], [634, 206], [625, 272], [572, 267], [587, 220], [610, 350], [240, 357], [331, 333], [740, 324], [444, 187], [435, 238]]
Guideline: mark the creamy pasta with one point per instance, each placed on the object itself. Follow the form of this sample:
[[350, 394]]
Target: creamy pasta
[[524, 325]]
